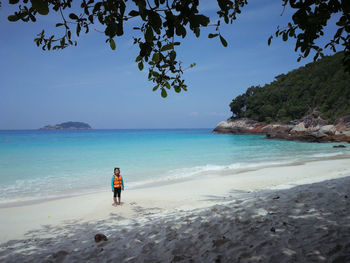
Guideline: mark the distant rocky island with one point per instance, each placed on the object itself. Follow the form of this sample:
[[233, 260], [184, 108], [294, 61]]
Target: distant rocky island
[[70, 125], [311, 103]]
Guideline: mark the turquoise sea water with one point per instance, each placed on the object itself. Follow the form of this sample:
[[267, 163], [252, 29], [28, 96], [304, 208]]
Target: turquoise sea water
[[45, 164]]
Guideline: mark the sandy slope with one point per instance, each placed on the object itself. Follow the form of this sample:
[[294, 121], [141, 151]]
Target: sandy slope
[[246, 217]]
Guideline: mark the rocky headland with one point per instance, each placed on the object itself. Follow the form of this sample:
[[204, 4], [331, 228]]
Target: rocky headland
[[310, 103], [309, 129]]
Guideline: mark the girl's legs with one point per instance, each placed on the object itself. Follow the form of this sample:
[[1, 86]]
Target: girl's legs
[[115, 197], [118, 192]]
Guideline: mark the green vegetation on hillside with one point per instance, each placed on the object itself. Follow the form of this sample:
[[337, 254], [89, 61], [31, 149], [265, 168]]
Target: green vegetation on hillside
[[321, 86], [74, 124]]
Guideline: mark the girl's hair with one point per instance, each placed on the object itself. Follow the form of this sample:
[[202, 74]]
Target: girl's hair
[[117, 169]]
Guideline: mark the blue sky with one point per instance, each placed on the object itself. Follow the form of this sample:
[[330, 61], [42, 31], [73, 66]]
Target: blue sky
[[93, 84]]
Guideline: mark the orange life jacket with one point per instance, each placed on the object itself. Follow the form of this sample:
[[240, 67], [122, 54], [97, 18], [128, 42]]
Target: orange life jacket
[[117, 181]]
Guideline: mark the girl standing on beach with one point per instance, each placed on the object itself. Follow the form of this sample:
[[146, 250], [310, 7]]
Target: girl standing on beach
[[117, 185]]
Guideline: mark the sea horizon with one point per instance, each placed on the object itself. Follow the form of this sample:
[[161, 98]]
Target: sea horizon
[[185, 128]]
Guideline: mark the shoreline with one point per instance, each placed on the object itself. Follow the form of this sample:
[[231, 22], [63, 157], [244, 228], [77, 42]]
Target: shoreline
[[158, 182], [186, 195], [299, 216]]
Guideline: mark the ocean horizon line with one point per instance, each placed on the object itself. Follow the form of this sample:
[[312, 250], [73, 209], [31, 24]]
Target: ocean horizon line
[[105, 129]]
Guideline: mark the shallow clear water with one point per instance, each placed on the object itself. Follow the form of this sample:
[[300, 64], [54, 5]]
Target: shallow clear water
[[41, 164]]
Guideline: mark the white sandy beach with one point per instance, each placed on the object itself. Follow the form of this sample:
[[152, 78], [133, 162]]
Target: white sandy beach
[[294, 213]]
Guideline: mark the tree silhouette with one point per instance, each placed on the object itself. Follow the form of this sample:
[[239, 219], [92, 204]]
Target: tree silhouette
[[163, 23]]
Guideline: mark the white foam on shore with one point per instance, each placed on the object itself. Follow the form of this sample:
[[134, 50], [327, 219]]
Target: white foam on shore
[[205, 170], [320, 155], [216, 170], [9, 194]]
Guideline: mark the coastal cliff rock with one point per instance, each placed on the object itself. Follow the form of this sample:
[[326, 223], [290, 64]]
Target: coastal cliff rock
[[309, 128], [247, 126], [239, 126]]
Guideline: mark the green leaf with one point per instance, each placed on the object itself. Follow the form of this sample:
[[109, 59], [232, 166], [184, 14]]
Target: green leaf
[[285, 36], [172, 55], [164, 94], [111, 30], [155, 57], [269, 40], [212, 35], [112, 44], [119, 29], [155, 73], [13, 18], [222, 4], [140, 65], [167, 47], [180, 31], [73, 16], [41, 6], [177, 89], [202, 19], [155, 21], [155, 87], [292, 32], [167, 85], [307, 52], [138, 58], [149, 35], [78, 29], [223, 41], [197, 31]]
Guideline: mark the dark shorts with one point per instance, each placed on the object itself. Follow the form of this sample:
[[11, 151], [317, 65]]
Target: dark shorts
[[117, 191]]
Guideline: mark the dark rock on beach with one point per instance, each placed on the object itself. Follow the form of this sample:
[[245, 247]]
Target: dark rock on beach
[[339, 146], [100, 237]]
